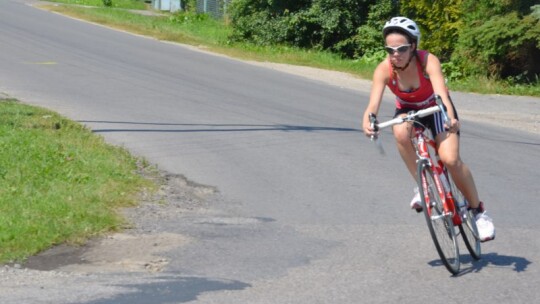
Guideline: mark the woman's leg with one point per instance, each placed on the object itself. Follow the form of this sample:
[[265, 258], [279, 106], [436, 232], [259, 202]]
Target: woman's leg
[[402, 134], [449, 154], [448, 144]]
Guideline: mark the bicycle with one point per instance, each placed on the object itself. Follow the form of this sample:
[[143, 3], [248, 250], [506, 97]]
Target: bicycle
[[444, 206]]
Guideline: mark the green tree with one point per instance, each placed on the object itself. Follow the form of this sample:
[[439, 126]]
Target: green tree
[[500, 39], [439, 22], [504, 46]]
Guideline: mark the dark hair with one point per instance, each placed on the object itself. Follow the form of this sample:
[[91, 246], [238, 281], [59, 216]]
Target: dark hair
[[410, 39]]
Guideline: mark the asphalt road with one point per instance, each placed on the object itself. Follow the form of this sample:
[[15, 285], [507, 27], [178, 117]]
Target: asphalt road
[[306, 211]]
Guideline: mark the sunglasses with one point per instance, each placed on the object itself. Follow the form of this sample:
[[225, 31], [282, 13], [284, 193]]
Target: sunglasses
[[400, 49]]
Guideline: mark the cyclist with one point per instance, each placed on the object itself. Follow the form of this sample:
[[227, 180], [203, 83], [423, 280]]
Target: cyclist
[[415, 77]]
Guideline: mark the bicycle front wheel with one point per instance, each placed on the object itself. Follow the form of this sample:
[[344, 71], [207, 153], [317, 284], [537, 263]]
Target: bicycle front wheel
[[468, 229], [440, 224]]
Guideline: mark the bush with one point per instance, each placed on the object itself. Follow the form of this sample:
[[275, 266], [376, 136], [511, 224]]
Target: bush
[[503, 46], [439, 22], [369, 38], [320, 24], [257, 20]]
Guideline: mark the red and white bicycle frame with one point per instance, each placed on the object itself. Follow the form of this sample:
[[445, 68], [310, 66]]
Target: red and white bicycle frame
[[426, 148]]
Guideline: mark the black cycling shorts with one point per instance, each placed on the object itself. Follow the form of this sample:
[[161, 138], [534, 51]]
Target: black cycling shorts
[[434, 122]]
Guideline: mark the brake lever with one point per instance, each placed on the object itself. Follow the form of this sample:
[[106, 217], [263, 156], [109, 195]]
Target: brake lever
[[440, 104], [373, 125], [375, 138]]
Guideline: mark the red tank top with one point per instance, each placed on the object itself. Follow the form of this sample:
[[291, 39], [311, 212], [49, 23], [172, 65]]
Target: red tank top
[[420, 98]]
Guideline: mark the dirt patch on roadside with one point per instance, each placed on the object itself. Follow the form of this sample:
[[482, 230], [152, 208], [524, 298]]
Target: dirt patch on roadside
[[140, 248], [120, 252], [124, 252]]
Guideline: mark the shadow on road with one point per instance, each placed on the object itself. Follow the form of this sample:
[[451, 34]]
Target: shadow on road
[[169, 290], [517, 264], [193, 128]]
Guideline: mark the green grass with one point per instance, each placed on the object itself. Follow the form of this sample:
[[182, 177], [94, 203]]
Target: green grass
[[127, 4], [58, 181], [484, 85]]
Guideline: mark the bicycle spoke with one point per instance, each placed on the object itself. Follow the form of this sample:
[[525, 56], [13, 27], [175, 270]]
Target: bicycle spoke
[[440, 224], [470, 236], [467, 229]]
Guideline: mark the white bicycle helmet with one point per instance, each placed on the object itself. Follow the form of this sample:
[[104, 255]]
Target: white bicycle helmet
[[403, 24]]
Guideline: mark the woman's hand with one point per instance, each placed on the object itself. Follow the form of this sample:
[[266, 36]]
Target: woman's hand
[[369, 127], [452, 126]]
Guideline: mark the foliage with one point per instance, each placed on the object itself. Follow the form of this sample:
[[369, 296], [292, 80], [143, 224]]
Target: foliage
[[183, 17], [450, 29], [503, 46], [439, 22], [189, 6], [369, 36], [240, 8], [319, 24], [478, 10], [340, 22], [535, 11]]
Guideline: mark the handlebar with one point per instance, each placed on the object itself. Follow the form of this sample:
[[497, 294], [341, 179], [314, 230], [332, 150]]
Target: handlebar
[[376, 126], [411, 115]]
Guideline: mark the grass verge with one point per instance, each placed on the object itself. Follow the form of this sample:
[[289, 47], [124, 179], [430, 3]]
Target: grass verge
[[58, 181], [125, 4]]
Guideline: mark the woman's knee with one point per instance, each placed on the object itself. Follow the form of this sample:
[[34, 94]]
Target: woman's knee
[[451, 161], [402, 135], [448, 148]]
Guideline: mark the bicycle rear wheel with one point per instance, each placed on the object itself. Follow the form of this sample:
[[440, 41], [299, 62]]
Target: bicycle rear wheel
[[468, 229], [440, 224]]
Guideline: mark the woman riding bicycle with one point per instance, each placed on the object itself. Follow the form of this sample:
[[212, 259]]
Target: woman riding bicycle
[[415, 77]]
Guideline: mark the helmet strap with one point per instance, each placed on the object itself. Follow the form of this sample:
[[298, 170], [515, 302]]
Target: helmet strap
[[407, 65]]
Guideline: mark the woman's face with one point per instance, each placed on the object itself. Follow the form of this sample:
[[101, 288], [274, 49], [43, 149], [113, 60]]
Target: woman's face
[[399, 49]]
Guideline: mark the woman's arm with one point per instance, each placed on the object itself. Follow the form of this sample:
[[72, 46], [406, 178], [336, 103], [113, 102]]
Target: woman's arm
[[380, 78], [434, 70]]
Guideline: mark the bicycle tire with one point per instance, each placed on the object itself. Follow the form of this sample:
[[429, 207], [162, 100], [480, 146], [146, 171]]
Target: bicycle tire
[[468, 229], [441, 226]]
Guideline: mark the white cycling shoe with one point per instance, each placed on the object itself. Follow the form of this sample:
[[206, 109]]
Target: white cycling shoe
[[484, 223], [486, 229], [416, 203]]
